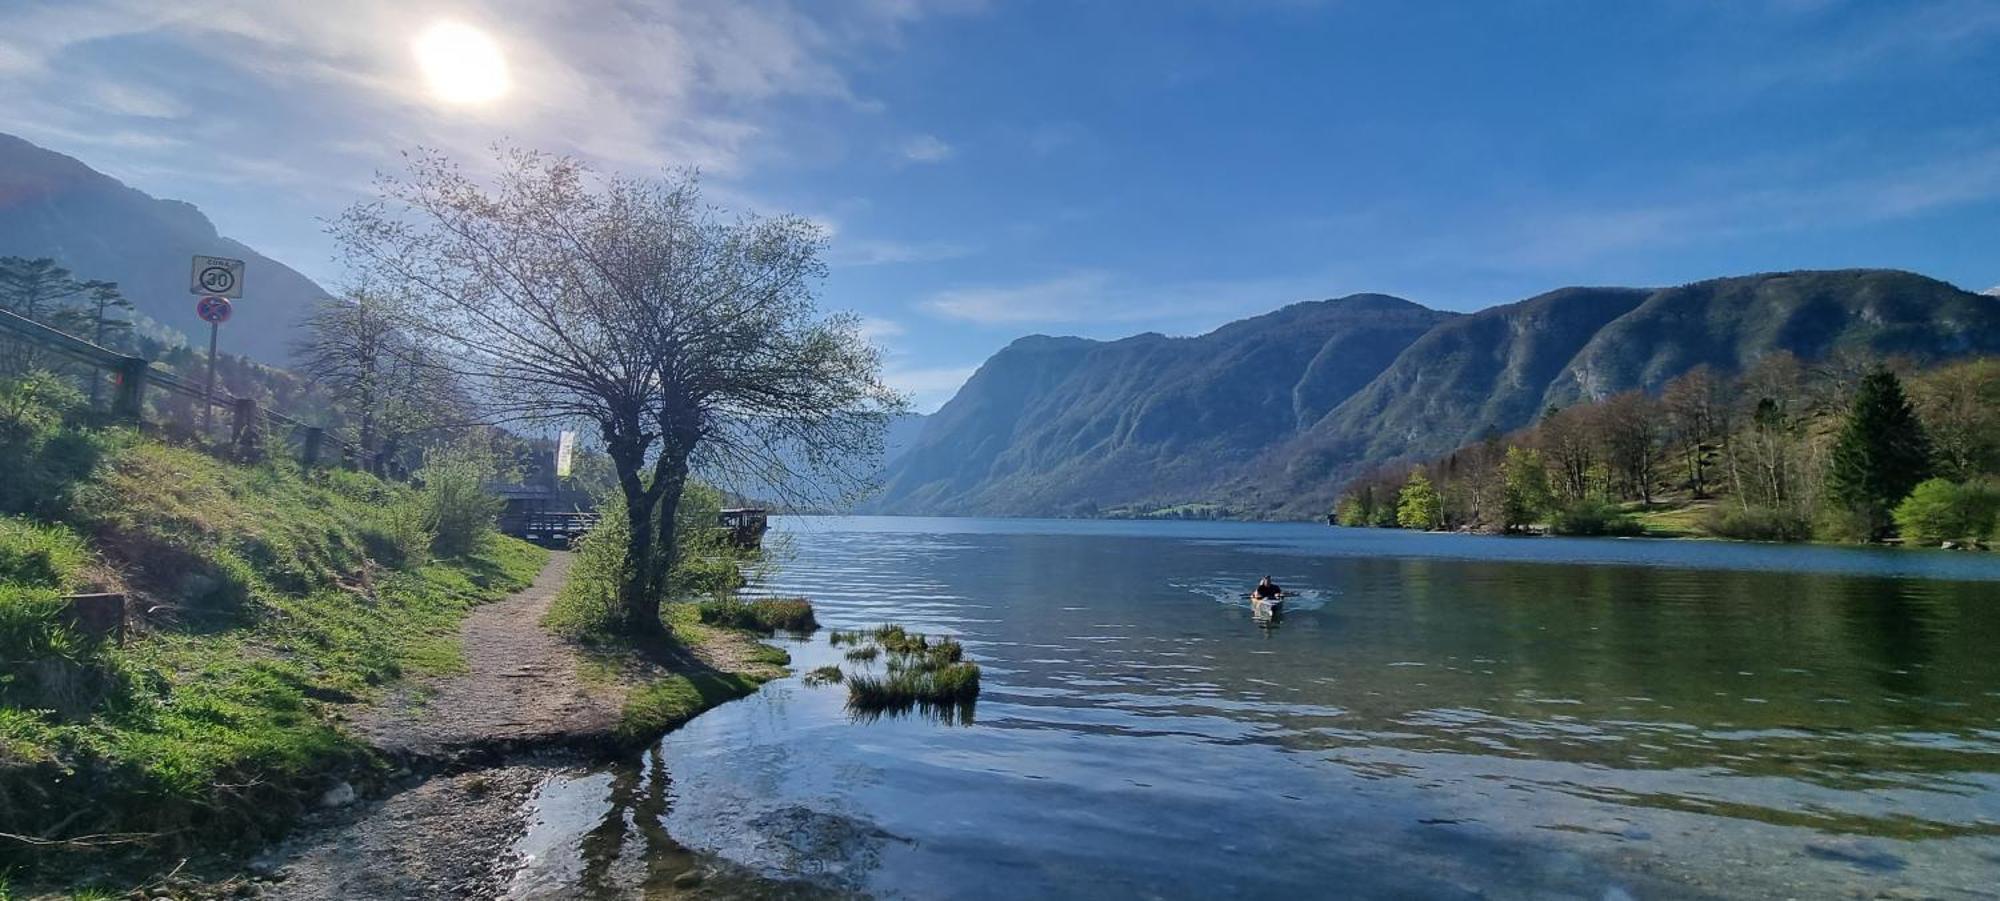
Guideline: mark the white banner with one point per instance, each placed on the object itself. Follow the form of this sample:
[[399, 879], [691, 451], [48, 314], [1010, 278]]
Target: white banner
[[565, 448]]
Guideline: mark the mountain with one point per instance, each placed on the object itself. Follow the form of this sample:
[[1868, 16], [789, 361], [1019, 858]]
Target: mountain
[[1070, 425], [52, 205], [1268, 416], [901, 435]]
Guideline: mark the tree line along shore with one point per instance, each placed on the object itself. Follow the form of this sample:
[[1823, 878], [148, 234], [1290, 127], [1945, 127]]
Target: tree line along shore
[[1848, 450]]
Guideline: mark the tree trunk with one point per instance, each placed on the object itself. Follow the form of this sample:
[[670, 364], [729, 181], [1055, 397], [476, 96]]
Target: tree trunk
[[638, 587], [670, 482]]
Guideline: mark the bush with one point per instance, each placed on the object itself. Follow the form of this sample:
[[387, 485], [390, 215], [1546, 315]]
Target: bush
[[1756, 524], [1594, 517], [587, 607], [1939, 510], [459, 511], [44, 454]]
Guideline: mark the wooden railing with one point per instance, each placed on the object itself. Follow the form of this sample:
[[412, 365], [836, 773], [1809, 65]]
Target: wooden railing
[[248, 423]]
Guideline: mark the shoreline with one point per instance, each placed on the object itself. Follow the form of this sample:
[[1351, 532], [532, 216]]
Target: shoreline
[[455, 760]]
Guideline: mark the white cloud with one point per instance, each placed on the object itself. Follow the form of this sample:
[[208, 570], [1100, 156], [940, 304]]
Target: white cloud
[[1068, 298], [1099, 302], [879, 252], [926, 149], [929, 387], [1992, 292], [874, 329]]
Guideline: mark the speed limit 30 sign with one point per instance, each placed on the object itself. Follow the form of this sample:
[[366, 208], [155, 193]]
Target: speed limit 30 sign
[[216, 276]]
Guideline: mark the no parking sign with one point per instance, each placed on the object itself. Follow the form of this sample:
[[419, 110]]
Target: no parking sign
[[212, 309]]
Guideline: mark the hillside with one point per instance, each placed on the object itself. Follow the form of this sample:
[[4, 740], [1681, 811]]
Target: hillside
[[1268, 416], [54, 206], [260, 599], [1065, 425]]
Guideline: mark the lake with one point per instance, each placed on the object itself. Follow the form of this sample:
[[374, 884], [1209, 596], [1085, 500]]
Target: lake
[[1436, 716]]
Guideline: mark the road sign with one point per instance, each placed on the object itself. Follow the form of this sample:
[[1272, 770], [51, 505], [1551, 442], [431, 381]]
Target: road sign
[[213, 310], [220, 276]]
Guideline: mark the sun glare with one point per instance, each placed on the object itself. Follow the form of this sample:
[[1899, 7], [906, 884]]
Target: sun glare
[[461, 64]]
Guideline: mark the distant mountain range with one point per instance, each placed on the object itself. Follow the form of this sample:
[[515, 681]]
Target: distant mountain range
[[1269, 415], [54, 206]]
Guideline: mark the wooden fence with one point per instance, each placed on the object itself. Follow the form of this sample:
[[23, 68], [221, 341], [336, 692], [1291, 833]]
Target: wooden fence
[[249, 423]]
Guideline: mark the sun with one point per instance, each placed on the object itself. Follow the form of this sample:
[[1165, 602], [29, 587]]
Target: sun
[[461, 64]]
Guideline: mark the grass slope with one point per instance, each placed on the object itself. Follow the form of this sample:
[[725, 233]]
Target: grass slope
[[261, 596]]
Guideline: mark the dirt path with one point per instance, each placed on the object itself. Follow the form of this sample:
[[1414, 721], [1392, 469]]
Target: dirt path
[[521, 687], [520, 713]]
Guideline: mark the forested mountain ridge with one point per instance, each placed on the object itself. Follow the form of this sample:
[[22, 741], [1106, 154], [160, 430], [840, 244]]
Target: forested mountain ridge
[[97, 227], [1068, 426], [1048, 423]]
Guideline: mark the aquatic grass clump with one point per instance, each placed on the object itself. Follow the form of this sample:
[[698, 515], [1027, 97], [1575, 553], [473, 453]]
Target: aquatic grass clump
[[921, 674], [766, 615]]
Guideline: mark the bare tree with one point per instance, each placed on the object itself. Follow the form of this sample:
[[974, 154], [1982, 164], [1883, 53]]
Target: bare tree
[[1697, 407], [1568, 439], [357, 350], [1630, 427], [692, 343]]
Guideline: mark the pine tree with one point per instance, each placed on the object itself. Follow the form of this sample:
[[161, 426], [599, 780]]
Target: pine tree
[[1419, 506], [1882, 452]]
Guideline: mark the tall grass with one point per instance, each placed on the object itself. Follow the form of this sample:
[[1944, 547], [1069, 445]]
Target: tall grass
[[919, 674]]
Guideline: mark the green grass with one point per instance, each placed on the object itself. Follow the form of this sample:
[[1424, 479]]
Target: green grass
[[1673, 520], [663, 704], [825, 675], [764, 615], [265, 593]]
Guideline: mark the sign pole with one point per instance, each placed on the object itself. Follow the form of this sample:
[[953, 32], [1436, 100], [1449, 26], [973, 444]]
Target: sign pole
[[208, 391], [216, 279]]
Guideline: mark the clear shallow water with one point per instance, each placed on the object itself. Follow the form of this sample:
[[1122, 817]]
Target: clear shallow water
[[1437, 716]]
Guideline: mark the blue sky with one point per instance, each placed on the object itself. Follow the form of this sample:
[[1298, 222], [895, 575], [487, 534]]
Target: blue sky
[[993, 169]]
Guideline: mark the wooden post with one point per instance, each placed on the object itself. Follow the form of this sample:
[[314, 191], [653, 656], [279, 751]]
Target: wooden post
[[309, 456], [130, 403], [243, 425]]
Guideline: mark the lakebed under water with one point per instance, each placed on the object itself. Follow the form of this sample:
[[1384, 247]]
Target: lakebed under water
[[1436, 716]]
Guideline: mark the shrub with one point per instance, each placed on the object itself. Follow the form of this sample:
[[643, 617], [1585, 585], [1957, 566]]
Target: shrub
[[1594, 517], [1939, 510], [459, 511], [1756, 524], [43, 454]]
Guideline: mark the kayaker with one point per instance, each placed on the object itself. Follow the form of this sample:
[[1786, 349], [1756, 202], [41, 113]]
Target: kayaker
[[1267, 590]]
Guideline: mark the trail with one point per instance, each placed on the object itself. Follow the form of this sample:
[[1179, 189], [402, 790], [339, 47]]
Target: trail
[[521, 687]]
